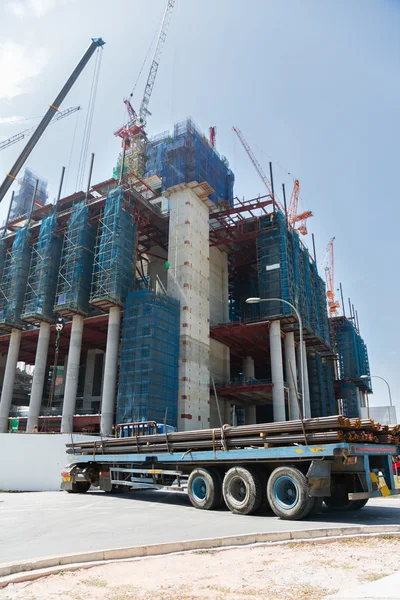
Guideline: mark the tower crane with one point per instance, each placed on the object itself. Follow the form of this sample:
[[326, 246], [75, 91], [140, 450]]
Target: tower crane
[[293, 216], [134, 138], [333, 304], [52, 110], [257, 165], [23, 134]]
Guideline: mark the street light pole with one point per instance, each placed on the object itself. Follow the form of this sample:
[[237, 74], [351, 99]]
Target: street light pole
[[302, 361], [379, 377]]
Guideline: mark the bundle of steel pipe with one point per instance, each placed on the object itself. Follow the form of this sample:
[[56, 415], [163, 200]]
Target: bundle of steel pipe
[[316, 431]]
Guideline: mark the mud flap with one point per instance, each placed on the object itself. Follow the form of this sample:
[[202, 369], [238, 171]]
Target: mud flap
[[319, 478]]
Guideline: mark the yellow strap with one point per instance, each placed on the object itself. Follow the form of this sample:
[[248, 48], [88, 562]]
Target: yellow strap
[[12, 177], [55, 107]]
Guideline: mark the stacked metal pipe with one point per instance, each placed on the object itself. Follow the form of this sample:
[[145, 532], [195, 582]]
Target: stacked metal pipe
[[321, 430]]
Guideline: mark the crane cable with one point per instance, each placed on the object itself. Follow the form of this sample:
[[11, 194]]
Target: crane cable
[[89, 121]]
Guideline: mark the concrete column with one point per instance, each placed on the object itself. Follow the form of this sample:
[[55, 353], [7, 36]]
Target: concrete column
[[248, 368], [278, 393], [110, 371], [3, 360], [250, 414], [71, 379], [9, 378], [291, 374], [89, 375], [359, 402], [307, 401], [39, 375]]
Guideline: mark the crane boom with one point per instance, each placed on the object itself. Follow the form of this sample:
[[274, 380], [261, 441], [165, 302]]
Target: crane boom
[[143, 111], [53, 108], [293, 216], [23, 134], [256, 164]]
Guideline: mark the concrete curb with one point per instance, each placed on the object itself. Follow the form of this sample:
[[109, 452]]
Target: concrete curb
[[41, 567]]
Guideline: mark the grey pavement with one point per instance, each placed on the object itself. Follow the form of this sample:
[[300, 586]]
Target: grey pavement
[[37, 524]]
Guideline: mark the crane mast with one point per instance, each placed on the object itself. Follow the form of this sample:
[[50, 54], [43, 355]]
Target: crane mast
[[23, 134], [293, 216], [52, 110], [134, 138], [333, 305], [256, 165]]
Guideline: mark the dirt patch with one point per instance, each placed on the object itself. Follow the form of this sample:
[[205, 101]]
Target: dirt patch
[[283, 572]]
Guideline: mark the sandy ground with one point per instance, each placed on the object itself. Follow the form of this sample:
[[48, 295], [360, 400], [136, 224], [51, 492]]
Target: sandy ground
[[302, 571]]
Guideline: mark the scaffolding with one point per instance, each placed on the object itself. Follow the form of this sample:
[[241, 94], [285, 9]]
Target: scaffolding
[[14, 280], [75, 274], [320, 377], [148, 381], [115, 254], [23, 199], [352, 352], [43, 273], [187, 156]]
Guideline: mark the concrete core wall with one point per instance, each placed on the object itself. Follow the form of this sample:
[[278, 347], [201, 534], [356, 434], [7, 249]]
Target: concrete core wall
[[189, 282], [219, 293]]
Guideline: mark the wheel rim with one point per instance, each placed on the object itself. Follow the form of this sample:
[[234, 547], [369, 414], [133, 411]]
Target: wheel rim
[[286, 492], [238, 490], [199, 489]]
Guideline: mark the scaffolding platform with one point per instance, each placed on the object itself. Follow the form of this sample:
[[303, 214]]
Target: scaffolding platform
[[13, 282]]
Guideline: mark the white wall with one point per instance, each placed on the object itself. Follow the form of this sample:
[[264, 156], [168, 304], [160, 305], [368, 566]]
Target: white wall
[[33, 462]]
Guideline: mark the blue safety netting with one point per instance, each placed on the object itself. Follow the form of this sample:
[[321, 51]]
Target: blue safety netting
[[76, 263], [116, 259], [15, 277], [348, 393], [187, 156], [321, 386], [352, 352], [45, 263], [148, 381]]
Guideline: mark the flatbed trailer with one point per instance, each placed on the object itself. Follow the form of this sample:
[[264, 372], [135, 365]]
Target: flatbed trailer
[[292, 480]]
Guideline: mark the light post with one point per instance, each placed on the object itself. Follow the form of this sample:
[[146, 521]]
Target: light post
[[302, 361], [379, 377]]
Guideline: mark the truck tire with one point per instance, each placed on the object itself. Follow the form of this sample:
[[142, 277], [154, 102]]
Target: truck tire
[[205, 488], [242, 490], [288, 494], [339, 500], [336, 504], [79, 487]]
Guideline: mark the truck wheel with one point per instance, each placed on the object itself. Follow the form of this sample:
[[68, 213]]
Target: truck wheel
[[80, 487], [242, 491], [337, 503], [288, 494], [205, 488]]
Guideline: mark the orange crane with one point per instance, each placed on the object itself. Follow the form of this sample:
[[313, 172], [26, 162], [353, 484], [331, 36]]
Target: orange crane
[[293, 216], [333, 304]]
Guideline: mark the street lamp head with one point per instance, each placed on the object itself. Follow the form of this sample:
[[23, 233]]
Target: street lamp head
[[253, 300], [364, 376]]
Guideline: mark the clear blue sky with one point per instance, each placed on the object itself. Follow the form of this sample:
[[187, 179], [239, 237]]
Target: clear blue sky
[[313, 84]]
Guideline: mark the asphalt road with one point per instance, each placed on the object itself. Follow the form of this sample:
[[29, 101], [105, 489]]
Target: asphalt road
[[37, 524]]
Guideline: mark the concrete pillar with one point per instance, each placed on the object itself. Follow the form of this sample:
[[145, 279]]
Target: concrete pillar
[[278, 393], [71, 379], [9, 378], [3, 360], [248, 368], [39, 375], [307, 401], [359, 402], [250, 414], [89, 375], [291, 374], [110, 371]]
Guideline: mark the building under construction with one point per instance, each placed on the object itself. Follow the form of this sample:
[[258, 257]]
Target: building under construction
[[149, 279]]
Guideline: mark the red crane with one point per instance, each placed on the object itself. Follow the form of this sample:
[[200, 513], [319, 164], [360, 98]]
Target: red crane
[[333, 304], [293, 216], [212, 135]]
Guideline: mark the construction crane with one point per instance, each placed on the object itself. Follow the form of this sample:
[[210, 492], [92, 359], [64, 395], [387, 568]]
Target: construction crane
[[212, 132], [293, 217], [333, 305], [53, 109], [134, 138], [23, 134], [257, 166]]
